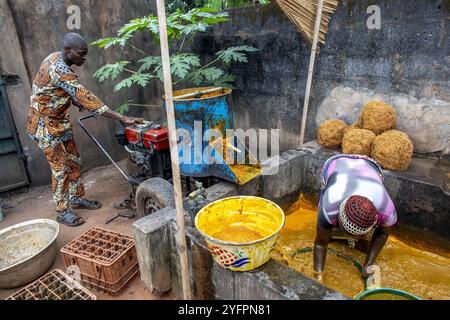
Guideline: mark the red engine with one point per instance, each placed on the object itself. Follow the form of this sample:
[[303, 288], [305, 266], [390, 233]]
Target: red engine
[[157, 138], [149, 149]]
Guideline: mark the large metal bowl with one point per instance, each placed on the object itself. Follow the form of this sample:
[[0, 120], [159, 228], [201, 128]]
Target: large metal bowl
[[27, 250]]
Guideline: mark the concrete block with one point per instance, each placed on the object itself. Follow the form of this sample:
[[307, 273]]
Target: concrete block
[[282, 184], [152, 238]]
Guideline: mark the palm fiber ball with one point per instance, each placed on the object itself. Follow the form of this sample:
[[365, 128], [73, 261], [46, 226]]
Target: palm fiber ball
[[393, 150], [378, 117], [331, 132], [358, 141]]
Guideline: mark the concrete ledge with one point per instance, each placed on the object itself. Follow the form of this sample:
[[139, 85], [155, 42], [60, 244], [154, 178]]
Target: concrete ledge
[[272, 281]]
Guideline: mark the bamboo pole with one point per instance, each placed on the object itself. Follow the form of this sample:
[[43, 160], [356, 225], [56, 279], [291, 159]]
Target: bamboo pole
[[182, 248], [311, 70]]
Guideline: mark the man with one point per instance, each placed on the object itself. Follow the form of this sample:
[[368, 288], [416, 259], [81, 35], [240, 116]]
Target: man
[[55, 89], [354, 204]]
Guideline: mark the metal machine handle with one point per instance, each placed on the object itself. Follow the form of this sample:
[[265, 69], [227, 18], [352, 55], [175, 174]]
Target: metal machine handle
[[129, 180]]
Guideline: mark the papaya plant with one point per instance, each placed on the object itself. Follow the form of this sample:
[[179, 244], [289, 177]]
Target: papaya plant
[[186, 67]]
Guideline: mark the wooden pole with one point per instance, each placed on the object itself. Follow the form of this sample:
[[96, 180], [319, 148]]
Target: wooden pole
[[311, 70], [182, 248]]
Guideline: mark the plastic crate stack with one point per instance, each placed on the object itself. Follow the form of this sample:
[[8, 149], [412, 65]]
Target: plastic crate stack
[[107, 260], [55, 285]]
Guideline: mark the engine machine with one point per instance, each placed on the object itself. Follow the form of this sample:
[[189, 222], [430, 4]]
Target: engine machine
[[149, 149]]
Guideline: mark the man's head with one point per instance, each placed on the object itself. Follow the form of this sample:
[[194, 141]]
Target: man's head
[[358, 215], [75, 48]]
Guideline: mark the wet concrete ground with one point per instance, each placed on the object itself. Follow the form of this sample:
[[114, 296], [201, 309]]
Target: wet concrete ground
[[104, 184]]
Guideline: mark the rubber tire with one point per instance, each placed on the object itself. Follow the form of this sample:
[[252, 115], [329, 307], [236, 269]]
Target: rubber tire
[[160, 191]]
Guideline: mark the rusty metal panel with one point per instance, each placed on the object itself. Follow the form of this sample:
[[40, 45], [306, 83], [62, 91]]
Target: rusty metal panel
[[12, 168]]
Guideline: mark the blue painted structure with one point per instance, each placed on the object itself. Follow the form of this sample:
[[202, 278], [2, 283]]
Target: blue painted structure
[[196, 116]]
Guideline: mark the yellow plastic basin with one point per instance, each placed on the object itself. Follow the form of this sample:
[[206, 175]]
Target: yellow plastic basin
[[240, 231]]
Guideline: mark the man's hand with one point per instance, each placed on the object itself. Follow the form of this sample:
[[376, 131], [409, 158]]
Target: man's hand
[[129, 121]]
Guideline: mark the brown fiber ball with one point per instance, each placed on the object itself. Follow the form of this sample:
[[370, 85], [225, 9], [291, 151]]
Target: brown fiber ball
[[358, 141], [331, 133], [393, 150], [378, 117]]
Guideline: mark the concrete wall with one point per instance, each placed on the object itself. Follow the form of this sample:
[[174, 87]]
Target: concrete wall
[[31, 30], [19, 88], [406, 62]]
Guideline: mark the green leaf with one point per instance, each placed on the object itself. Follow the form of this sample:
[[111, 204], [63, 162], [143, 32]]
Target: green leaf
[[206, 76], [142, 79], [124, 108], [196, 78], [180, 65], [110, 42], [183, 66], [235, 54], [212, 74], [226, 81], [126, 83], [110, 71], [178, 24], [191, 59], [205, 15], [194, 28], [149, 23], [211, 16], [139, 78], [149, 62]]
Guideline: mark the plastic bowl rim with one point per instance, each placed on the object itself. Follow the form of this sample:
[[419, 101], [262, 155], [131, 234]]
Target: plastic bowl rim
[[236, 244], [386, 290]]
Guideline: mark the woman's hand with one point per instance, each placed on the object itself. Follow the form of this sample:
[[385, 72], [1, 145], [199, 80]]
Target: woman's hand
[[129, 121], [367, 271], [318, 275], [374, 279]]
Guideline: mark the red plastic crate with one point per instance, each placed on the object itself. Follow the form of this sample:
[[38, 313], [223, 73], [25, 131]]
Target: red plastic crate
[[55, 285], [101, 254], [113, 289]]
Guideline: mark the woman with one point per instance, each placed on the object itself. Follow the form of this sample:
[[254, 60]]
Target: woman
[[354, 204]]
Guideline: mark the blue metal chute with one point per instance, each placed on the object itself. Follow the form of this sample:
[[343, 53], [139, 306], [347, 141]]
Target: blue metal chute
[[204, 116]]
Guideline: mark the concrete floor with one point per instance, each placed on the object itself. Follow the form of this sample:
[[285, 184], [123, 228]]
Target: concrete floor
[[104, 184]]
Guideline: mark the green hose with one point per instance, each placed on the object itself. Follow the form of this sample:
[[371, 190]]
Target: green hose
[[375, 294], [337, 253]]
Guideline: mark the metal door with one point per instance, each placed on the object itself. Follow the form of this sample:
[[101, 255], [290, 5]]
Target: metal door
[[12, 168]]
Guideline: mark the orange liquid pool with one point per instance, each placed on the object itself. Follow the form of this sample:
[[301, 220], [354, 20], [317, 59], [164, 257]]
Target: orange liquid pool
[[406, 263], [238, 234]]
